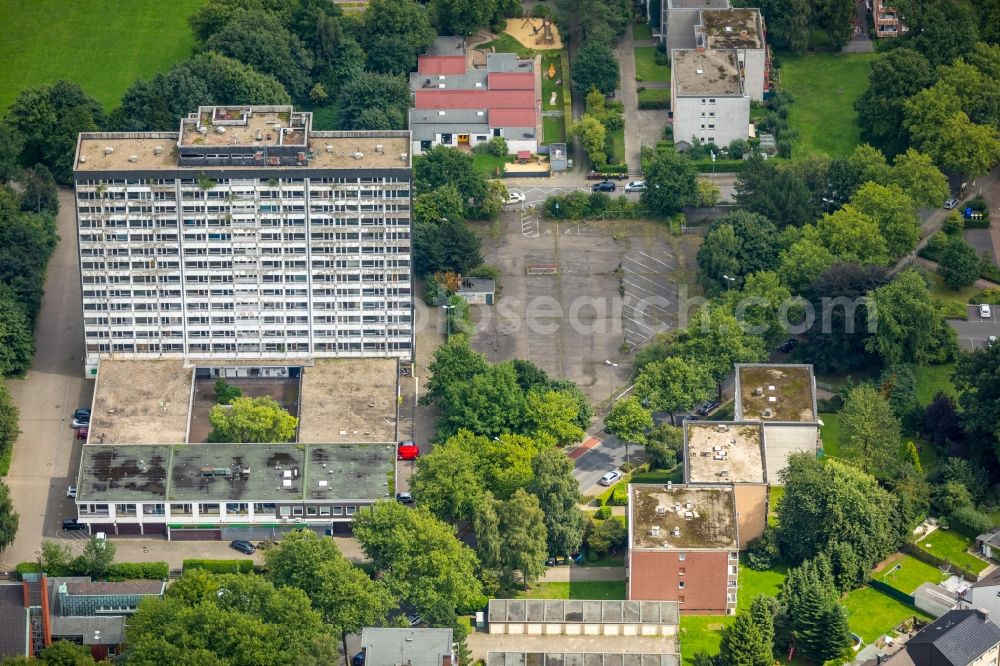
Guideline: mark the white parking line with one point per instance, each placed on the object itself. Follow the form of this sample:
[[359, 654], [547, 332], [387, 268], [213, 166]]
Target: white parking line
[[657, 260], [643, 277]]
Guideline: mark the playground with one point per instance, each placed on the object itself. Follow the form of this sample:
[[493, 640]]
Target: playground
[[535, 33]]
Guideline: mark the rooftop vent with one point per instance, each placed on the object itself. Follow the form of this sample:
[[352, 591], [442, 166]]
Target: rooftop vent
[[759, 391], [440, 85], [357, 155], [108, 150], [772, 398], [768, 413], [441, 113], [654, 531], [670, 485], [259, 135], [661, 510], [83, 158], [688, 515], [403, 156], [700, 71], [158, 150], [379, 148], [203, 130], [729, 29], [329, 148], [220, 130], [677, 532], [133, 158], [771, 388]]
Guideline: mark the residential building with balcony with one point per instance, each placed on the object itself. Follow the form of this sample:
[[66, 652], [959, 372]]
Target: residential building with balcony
[[244, 235], [886, 19], [707, 96]]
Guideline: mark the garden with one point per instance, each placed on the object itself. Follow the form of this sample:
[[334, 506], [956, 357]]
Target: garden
[[651, 64], [602, 589], [954, 547]]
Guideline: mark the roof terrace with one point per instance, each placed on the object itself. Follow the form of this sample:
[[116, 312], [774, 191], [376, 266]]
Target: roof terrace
[[245, 125], [676, 517], [775, 393], [723, 452]]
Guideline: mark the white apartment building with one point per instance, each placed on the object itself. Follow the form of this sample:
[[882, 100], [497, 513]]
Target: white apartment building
[[707, 97], [245, 235]]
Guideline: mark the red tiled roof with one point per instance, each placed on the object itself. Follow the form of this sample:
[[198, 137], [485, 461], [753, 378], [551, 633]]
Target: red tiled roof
[[512, 118], [474, 99], [441, 65], [510, 81]]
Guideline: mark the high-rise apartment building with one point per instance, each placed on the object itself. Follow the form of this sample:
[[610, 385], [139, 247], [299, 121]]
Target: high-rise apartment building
[[245, 235]]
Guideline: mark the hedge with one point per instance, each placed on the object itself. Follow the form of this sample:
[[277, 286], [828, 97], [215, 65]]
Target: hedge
[[654, 103], [137, 570], [719, 166], [220, 566], [982, 223], [612, 168], [27, 567]]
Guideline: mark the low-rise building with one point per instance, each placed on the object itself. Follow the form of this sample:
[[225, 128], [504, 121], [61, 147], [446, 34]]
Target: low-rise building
[[708, 97], [581, 617], [989, 544], [460, 106], [410, 646], [985, 594], [477, 291], [683, 546], [957, 638], [602, 658]]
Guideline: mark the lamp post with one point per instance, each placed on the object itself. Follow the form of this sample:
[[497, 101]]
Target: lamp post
[[729, 281], [611, 369], [447, 319]]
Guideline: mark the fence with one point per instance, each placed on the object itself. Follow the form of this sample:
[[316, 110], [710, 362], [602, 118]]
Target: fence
[[919, 553]]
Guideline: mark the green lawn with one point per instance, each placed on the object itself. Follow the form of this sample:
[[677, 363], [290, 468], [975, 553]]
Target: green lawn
[[646, 68], [103, 46], [614, 589], [825, 87], [774, 495], [617, 141], [830, 434], [911, 574], [641, 32], [754, 583], [932, 379], [550, 86], [952, 546], [553, 129], [701, 633], [655, 95], [871, 614], [507, 44], [488, 164], [954, 302]]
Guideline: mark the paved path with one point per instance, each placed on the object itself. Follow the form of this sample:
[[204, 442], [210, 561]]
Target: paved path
[[574, 574], [46, 455], [629, 96]]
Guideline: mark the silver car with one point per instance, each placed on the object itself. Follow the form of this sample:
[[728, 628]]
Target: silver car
[[610, 478], [636, 186]]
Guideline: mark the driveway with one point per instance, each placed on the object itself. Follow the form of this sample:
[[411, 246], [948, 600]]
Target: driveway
[[975, 333], [625, 52], [47, 454]]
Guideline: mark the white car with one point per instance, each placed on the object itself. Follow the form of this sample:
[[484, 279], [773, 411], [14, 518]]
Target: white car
[[610, 478], [950, 203], [636, 186], [515, 197], [985, 312], [71, 492]]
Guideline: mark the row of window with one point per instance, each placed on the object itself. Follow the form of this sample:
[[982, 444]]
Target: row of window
[[119, 182], [124, 510], [402, 345]]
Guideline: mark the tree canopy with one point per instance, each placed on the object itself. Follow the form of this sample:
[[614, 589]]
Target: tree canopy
[[670, 184], [595, 66], [260, 420]]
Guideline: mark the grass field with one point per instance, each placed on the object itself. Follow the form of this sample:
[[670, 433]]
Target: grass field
[[871, 614], [614, 589], [701, 633], [754, 583], [641, 32], [911, 574], [655, 95], [488, 164], [507, 44], [549, 86], [646, 68], [617, 144], [825, 87], [952, 546], [830, 434], [774, 496], [104, 46], [932, 379], [553, 129]]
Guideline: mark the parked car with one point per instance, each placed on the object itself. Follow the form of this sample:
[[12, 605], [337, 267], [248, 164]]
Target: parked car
[[636, 186], [82, 413], [407, 450], [950, 203], [72, 524], [788, 345], [603, 186], [985, 311], [413, 619], [82, 432], [71, 492], [404, 498], [610, 478], [242, 546], [515, 197], [358, 659], [81, 421], [707, 407]]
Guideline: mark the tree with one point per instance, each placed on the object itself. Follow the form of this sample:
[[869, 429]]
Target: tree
[[9, 414], [831, 501], [629, 420], [454, 364], [225, 620], [490, 404], [871, 431], [763, 609], [716, 341], [663, 444], [558, 493], [341, 593], [40, 193], [939, 127], [551, 414], [461, 17], [55, 559], [835, 18], [606, 536], [777, 193], [958, 264], [851, 236], [673, 385], [917, 176], [941, 31], [764, 306], [393, 32], [593, 21], [522, 530], [97, 557], [787, 23], [719, 256], [445, 244], [65, 653], [503, 463], [595, 66], [486, 526], [49, 118], [246, 420], [225, 392], [977, 379], [8, 517], [910, 327], [670, 184], [591, 132], [940, 421], [17, 345], [374, 101], [743, 645], [421, 560], [442, 166], [446, 480], [894, 215], [11, 144]]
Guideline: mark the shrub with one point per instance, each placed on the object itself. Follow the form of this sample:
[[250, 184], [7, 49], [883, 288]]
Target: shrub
[[541, 11], [27, 567], [990, 295], [833, 404], [603, 513], [971, 522], [137, 570], [762, 552], [619, 496], [498, 146], [661, 58], [220, 566]]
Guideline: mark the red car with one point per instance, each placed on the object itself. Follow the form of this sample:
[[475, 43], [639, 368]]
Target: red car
[[82, 432], [407, 451]]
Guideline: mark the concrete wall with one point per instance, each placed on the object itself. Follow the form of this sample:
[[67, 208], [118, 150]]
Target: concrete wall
[[657, 575], [753, 72], [731, 119], [751, 509]]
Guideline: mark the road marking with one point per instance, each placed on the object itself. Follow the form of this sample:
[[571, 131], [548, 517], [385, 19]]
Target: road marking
[[657, 260]]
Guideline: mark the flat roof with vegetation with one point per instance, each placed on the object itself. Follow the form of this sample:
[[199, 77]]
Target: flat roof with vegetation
[[775, 393], [678, 517], [717, 452]]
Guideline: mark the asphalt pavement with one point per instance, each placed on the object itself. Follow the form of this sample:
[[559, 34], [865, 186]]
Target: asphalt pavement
[[975, 333]]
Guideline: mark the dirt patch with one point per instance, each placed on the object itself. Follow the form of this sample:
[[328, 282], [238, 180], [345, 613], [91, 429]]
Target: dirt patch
[[533, 33]]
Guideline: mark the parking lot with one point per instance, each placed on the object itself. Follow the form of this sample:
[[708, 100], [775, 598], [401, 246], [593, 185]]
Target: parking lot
[[575, 295], [975, 333]]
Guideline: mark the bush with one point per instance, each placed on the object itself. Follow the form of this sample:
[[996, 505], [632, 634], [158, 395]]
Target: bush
[[990, 295], [498, 146], [137, 570], [541, 11], [645, 103], [661, 58], [619, 496], [762, 552], [220, 566], [719, 166], [603, 513], [834, 404], [971, 522], [981, 223], [27, 568], [977, 203]]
